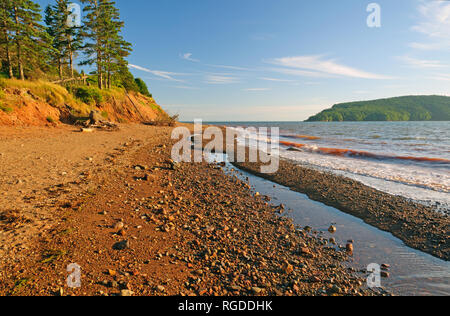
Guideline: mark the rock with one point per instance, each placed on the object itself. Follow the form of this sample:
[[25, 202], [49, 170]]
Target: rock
[[305, 251], [349, 247], [126, 293], [119, 225], [160, 288], [235, 288], [288, 268], [256, 290], [385, 274], [335, 290], [332, 229], [122, 245]]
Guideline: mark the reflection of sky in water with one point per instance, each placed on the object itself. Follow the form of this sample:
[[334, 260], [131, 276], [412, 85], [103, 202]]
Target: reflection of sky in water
[[412, 272]]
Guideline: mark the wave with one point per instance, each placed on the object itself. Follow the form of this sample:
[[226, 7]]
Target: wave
[[301, 137], [361, 154]]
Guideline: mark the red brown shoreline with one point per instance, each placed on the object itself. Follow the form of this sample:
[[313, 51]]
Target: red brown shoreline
[[147, 226]]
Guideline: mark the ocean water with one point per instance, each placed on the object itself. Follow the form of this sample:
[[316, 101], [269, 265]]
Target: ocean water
[[410, 159]]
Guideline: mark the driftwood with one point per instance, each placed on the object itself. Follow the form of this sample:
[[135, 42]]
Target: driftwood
[[71, 79]]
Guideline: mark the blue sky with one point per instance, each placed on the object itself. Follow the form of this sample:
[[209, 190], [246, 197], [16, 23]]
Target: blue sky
[[285, 60]]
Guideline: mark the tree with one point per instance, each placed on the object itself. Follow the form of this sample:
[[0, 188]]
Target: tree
[[66, 39], [106, 47], [142, 86], [28, 35], [93, 48], [6, 27]]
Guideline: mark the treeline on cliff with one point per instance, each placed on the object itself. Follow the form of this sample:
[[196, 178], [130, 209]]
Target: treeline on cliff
[[408, 108], [48, 45]]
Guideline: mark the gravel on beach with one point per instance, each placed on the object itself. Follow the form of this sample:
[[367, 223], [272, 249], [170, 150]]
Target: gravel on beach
[[149, 226]]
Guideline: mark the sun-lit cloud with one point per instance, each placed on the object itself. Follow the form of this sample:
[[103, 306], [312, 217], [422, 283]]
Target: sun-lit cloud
[[434, 23], [162, 74], [319, 67], [421, 63]]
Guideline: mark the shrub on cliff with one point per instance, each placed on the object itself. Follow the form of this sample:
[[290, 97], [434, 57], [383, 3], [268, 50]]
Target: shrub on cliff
[[88, 95], [143, 89]]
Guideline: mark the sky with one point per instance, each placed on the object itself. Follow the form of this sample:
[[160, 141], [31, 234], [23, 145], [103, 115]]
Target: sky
[[284, 60]]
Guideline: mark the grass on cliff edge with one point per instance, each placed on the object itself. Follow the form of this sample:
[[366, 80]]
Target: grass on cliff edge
[[82, 99], [55, 95]]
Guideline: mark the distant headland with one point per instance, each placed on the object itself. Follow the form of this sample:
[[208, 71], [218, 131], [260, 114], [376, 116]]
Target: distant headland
[[407, 108]]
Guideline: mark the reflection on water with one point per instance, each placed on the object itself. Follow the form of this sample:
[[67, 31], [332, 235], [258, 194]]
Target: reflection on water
[[412, 272]]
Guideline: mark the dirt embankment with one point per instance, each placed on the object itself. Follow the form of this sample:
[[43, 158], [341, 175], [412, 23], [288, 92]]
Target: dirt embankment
[[45, 104]]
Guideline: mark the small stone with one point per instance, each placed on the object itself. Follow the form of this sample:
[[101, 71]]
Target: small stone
[[288, 268], [385, 274], [385, 266], [119, 225], [160, 288], [305, 251], [256, 290], [122, 245], [335, 290], [332, 229], [349, 247], [126, 293]]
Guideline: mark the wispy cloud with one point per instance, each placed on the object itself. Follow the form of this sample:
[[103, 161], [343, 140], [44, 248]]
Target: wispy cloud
[[421, 63], [217, 79], [256, 89], [440, 77], [276, 79], [434, 24], [188, 56], [317, 66], [162, 74], [228, 67]]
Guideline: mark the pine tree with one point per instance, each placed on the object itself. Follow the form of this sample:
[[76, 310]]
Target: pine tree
[[28, 35], [6, 27], [93, 47], [106, 47], [66, 40]]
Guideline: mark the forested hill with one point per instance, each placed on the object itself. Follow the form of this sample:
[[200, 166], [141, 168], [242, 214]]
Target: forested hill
[[408, 108]]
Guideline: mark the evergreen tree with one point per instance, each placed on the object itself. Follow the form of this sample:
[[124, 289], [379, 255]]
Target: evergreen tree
[[66, 39], [6, 28], [142, 86], [28, 35], [106, 47], [92, 33]]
